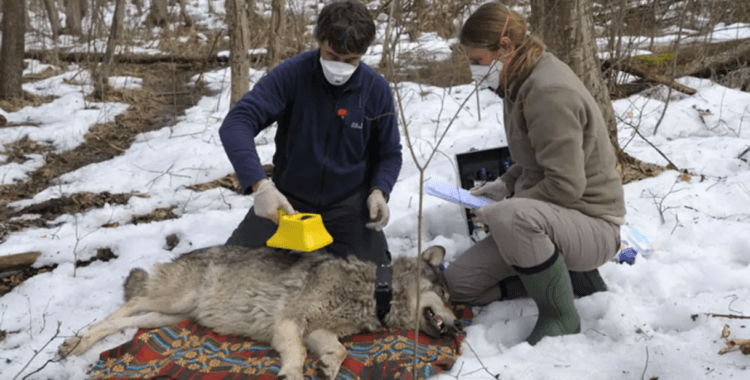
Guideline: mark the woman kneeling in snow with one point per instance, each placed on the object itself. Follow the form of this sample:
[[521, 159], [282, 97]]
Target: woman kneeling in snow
[[560, 206]]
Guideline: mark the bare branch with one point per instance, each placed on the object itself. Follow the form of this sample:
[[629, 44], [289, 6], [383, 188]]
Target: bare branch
[[495, 375], [660, 203], [674, 66], [744, 152], [645, 367], [36, 352], [671, 164]]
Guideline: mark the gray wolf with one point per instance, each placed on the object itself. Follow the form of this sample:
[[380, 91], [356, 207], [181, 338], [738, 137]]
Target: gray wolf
[[294, 301]]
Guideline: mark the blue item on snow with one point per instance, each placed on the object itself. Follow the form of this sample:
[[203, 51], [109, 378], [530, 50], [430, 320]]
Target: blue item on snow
[[627, 255]]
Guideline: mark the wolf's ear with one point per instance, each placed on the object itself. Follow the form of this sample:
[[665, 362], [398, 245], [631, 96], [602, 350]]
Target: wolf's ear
[[434, 255]]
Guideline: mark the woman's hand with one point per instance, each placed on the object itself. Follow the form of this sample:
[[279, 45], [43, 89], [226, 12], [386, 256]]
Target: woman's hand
[[494, 190]]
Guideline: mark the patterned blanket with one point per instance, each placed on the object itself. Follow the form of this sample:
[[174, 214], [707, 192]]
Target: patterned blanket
[[190, 351]]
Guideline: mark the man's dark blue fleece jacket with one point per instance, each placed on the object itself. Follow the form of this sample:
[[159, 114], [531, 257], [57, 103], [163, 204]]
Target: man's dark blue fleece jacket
[[331, 140]]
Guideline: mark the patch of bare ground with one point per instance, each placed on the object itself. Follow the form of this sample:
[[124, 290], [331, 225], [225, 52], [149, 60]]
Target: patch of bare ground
[[157, 215], [189, 42], [10, 280], [13, 278], [49, 72], [228, 181], [424, 69], [632, 169], [19, 151], [164, 96], [27, 100], [39, 215]]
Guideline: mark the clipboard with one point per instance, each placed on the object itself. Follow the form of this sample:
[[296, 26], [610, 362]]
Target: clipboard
[[454, 194]]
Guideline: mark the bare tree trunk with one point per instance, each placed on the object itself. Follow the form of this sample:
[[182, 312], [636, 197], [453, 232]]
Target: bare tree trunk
[[54, 18], [239, 41], [250, 11], [101, 76], [418, 10], [95, 26], [115, 31], [11, 53], [84, 8], [27, 14], [139, 6], [276, 35], [386, 59], [158, 14], [567, 27], [73, 17], [183, 13]]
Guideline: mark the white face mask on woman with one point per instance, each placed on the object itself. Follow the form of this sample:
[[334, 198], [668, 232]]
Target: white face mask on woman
[[337, 73], [487, 75]]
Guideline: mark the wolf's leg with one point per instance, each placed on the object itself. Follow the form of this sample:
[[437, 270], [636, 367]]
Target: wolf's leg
[[331, 353], [78, 345], [287, 340], [174, 303], [131, 307]]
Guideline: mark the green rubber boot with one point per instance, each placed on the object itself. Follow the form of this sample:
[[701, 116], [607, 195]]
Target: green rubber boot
[[584, 284], [548, 284], [587, 283]]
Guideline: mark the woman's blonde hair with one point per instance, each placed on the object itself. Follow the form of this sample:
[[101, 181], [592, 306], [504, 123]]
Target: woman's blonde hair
[[483, 28]]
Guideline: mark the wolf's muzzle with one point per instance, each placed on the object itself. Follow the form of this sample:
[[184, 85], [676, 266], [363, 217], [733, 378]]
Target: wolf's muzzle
[[438, 327]]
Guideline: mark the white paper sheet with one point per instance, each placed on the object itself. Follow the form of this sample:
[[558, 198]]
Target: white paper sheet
[[454, 194]]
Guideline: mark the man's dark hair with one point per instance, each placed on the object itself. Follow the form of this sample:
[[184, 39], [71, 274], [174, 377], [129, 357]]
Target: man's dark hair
[[347, 26]]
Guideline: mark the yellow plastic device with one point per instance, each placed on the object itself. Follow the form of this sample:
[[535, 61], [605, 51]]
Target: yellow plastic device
[[300, 232]]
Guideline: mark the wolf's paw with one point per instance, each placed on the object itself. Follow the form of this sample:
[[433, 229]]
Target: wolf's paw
[[288, 373], [71, 346], [330, 363]]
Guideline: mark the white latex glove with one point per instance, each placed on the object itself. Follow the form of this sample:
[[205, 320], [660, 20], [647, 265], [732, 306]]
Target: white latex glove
[[268, 201], [494, 190], [477, 215], [378, 211]]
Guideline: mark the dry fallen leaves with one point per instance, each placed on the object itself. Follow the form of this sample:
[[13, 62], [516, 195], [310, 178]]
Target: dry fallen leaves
[[685, 177], [742, 345]]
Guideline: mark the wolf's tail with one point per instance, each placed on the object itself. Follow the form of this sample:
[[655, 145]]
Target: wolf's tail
[[135, 284]]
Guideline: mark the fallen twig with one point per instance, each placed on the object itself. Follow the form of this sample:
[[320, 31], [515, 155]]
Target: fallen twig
[[671, 164], [744, 152], [730, 316], [484, 367]]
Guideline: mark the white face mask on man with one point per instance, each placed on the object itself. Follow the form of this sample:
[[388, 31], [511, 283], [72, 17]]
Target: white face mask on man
[[487, 75], [337, 73]]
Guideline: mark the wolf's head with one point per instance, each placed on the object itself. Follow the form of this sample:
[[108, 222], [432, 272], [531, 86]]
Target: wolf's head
[[435, 312]]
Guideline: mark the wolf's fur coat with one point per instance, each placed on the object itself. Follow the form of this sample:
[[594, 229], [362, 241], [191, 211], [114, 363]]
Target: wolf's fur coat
[[294, 301]]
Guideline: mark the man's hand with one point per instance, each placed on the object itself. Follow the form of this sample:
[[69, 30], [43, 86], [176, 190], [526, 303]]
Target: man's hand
[[494, 190], [378, 210], [268, 200]]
